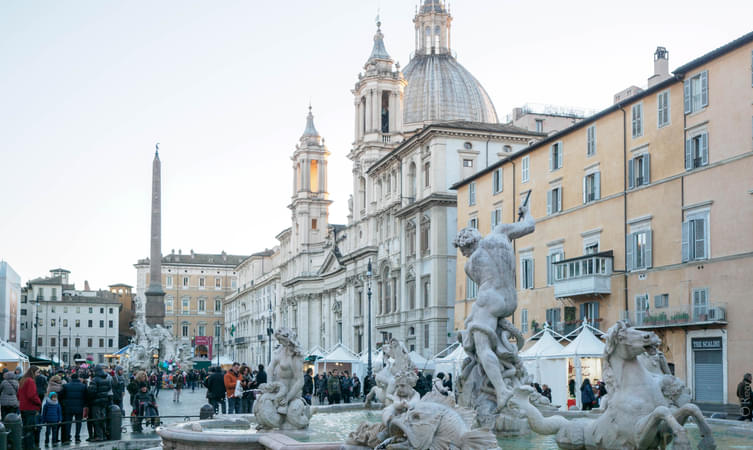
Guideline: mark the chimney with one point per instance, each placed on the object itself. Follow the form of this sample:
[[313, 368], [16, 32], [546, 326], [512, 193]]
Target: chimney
[[86, 285], [661, 66]]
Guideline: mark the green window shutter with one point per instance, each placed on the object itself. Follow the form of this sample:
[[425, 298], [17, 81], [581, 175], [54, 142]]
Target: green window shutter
[[688, 101], [597, 185], [699, 239], [648, 254], [705, 88], [705, 148], [686, 241], [629, 239], [631, 177], [646, 169], [688, 154]]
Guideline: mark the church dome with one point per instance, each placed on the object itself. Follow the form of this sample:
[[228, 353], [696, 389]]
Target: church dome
[[441, 89]]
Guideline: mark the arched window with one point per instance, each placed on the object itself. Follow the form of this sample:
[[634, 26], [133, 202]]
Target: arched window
[[385, 116], [184, 329], [427, 37], [218, 305], [412, 182]]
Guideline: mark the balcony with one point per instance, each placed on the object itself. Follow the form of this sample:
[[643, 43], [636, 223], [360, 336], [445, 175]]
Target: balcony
[[240, 340], [584, 275], [679, 316]]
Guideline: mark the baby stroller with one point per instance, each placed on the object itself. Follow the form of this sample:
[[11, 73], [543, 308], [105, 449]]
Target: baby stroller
[[147, 411]]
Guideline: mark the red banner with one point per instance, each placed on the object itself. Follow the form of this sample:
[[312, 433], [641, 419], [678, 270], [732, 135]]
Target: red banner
[[203, 347]]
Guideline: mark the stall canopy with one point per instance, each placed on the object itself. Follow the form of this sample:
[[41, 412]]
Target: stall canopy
[[585, 345], [452, 361], [420, 362], [545, 347], [339, 357], [314, 354], [10, 356], [543, 363]]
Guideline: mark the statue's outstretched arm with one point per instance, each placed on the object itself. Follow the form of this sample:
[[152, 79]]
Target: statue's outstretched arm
[[518, 229]]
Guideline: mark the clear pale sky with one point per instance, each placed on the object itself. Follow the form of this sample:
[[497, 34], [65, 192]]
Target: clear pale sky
[[88, 87]]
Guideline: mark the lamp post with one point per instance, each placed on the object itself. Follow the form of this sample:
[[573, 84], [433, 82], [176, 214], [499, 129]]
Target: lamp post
[[269, 333], [60, 332], [368, 330], [36, 327]]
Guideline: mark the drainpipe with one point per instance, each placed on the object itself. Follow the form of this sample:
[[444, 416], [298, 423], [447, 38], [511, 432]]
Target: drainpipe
[[624, 201]]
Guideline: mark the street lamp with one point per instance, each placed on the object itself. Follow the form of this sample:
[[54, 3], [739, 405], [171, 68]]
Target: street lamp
[[368, 330], [269, 332]]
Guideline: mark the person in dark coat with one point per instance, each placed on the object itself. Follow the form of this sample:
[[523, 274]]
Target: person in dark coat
[[73, 401], [41, 381], [745, 397], [261, 376], [356, 387], [216, 390], [587, 395], [308, 386], [546, 392], [118, 387], [333, 388], [321, 388], [346, 387], [100, 391], [448, 382], [9, 394]]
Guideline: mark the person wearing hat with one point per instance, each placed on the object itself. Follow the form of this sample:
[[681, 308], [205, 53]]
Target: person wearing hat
[[73, 401], [52, 414]]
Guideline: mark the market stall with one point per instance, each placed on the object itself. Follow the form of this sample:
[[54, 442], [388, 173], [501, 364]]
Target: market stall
[[584, 357], [10, 358], [543, 362], [421, 363], [339, 358]]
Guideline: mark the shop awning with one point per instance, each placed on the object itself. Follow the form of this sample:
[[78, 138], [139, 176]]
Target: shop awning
[[586, 345], [341, 354], [545, 347]]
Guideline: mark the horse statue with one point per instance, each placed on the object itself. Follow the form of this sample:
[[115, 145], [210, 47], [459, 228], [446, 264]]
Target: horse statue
[[385, 379], [646, 409]]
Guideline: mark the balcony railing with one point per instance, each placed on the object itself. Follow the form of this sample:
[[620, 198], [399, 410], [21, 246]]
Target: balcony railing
[[584, 275], [679, 316]]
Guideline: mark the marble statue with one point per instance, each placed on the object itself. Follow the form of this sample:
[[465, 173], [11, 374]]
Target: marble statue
[[280, 404], [646, 408], [385, 379], [150, 340], [492, 369]]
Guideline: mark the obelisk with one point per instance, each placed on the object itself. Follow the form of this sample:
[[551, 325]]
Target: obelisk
[[155, 303]]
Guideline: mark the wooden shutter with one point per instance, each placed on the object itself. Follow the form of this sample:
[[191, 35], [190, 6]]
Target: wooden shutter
[[631, 177], [646, 169], [630, 239], [686, 241], [688, 101], [647, 256], [597, 185], [705, 148], [704, 88], [699, 250], [688, 154]]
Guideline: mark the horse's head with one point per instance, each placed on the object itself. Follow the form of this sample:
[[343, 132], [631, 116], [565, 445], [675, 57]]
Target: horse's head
[[627, 342]]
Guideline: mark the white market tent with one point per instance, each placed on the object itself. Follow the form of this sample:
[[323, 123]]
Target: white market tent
[[376, 362], [339, 357], [586, 349], [452, 362], [420, 362], [543, 361], [9, 355]]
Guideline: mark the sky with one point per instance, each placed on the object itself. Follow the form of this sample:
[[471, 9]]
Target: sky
[[87, 88]]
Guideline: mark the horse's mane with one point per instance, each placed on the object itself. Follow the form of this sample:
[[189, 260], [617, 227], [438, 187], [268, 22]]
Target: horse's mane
[[612, 339]]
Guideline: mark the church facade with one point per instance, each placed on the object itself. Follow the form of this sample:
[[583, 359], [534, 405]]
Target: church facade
[[417, 131]]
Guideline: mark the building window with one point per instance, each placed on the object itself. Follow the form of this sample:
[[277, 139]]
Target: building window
[[78, 342], [426, 291], [90, 342], [169, 281], [700, 304], [109, 324], [185, 281], [473, 223], [65, 342], [589, 312], [497, 181], [554, 200], [697, 151], [90, 324], [217, 330], [427, 169], [526, 272], [218, 283], [202, 283], [591, 248], [314, 224], [109, 342], [555, 156], [539, 125], [637, 115], [425, 234], [426, 335], [696, 90], [661, 301], [101, 324], [410, 238], [410, 287], [662, 109], [184, 330], [553, 317], [496, 217], [217, 305], [169, 304], [467, 163], [78, 323], [202, 305], [695, 237], [52, 322], [591, 140], [52, 342], [101, 343], [471, 288], [91, 310], [591, 187], [639, 171], [525, 166], [185, 306], [555, 255], [472, 193], [524, 320], [639, 250], [110, 311], [202, 330]]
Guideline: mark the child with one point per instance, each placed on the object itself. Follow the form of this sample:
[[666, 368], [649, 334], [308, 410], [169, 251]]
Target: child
[[52, 414]]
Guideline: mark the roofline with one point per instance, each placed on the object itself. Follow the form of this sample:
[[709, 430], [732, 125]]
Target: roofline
[[576, 126], [713, 54], [427, 129]]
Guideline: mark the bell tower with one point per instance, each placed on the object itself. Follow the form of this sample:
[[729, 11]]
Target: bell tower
[[432, 24], [310, 202]]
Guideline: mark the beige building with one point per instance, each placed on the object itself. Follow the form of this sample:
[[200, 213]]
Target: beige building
[[124, 294], [195, 286], [644, 210]]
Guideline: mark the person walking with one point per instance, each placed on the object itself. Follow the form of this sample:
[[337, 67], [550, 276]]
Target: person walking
[[118, 388], [215, 385], [73, 399], [333, 388], [30, 405], [100, 390], [179, 380], [261, 376], [232, 381], [308, 385], [356, 387], [745, 397], [9, 394], [346, 387], [321, 388], [52, 414], [587, 395], [247, 383]]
